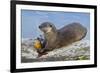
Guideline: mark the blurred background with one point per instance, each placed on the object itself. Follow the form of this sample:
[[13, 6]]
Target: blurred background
[[31, 19]]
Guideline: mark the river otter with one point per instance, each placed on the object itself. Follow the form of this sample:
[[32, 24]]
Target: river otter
[[57, 38]]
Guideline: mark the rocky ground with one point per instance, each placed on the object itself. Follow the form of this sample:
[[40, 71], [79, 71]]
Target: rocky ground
[[77, 51]]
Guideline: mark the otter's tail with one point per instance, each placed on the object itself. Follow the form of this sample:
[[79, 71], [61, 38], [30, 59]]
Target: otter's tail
[[84, 34]]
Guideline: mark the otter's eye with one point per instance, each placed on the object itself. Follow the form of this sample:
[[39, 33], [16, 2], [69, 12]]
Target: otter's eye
[[50, 25]]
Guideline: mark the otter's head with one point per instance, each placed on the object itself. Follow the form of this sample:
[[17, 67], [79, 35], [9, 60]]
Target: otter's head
[[47, 27]]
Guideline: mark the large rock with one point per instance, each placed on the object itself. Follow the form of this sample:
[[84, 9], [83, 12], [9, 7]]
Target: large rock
[[77, 51]]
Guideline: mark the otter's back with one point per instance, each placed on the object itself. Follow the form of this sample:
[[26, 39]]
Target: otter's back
[[72, 32]]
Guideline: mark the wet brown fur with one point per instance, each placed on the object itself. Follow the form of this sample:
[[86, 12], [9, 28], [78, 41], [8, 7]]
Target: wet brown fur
[[62, 37]]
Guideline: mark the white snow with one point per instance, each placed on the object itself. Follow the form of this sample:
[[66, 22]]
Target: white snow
[[73, 50]]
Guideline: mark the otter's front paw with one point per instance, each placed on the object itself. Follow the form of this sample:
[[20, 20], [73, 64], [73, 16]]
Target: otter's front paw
[[44, 53]]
